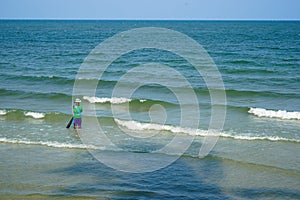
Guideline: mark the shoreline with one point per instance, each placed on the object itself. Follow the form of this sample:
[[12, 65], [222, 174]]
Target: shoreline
[[48, 172]]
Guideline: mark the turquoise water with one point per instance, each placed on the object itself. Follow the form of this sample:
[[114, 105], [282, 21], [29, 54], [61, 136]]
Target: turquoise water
[[257, 153]]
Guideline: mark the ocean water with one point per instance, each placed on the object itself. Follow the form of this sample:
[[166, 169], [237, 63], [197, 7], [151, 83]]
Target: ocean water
[[257, 152]]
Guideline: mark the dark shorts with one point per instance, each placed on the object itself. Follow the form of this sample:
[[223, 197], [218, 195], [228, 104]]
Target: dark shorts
[[77, 122]]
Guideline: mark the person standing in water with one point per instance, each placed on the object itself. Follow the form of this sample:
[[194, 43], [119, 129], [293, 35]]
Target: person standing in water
[[77, 113]]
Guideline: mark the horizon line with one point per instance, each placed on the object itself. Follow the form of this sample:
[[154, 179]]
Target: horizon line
[[149, 19]]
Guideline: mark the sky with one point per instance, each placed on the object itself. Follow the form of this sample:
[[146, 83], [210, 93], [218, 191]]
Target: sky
[[151, 9]]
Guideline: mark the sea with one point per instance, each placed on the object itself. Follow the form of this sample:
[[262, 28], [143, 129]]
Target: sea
[[154, 124]]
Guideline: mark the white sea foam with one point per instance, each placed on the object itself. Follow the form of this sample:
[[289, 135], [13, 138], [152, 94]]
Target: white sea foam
[[50, 144], [3, 112], [34, 115], [281, 114], [138, 126], [269, 138], [113, 100]]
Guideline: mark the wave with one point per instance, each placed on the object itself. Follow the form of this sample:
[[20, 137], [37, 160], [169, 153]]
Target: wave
[[138, 105], [20, 113], [8, 92], [270, 47], [21, 94], [113, 100], [3, 112], [243, 62], [247, 93], [203, 90], [108, 84], [247, 71], [35, 115], [281, 114], [138, 126], [15, 114], [38, 78], [50, 144]]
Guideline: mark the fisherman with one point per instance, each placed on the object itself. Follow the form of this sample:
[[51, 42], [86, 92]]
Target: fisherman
[[77, 113]]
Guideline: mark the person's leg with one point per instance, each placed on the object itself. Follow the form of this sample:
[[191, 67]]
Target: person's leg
[[76, 123], [79, 123]]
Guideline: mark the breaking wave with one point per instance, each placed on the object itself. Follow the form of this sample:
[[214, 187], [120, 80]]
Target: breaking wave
[[281, 114], [113, 100], [35, 115], [3, 112], [138, 126], [20, 114]]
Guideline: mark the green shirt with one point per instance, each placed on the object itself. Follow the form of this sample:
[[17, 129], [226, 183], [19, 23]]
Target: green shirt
[[77, 110]]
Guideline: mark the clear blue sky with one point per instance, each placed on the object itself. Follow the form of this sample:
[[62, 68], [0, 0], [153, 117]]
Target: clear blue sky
[[150, 9]]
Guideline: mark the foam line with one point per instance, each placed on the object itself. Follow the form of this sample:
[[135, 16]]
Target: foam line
[[49, 144], [138, 126]]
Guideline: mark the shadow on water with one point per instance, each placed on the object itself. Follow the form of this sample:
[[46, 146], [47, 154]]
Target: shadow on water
[[180, 180]]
